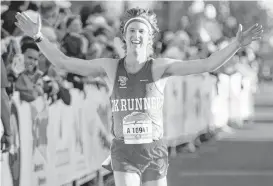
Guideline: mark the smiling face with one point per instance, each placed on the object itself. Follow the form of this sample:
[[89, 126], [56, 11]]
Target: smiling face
[[138, 29], [31, 59], [137, 37]]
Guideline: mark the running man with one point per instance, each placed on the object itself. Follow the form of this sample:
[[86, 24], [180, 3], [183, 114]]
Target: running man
[[139, 155]]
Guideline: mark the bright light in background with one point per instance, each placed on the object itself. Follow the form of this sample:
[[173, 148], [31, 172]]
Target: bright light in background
[[255, 46], [250, 54], [223, 44], [271, 41], [268, 5], [224, 9], [63, 3], [114, 8], [231, 22], [197, 7], [204, 35], [141, 4], [210, 11]]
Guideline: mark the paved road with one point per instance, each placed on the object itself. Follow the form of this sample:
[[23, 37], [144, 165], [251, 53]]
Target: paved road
[[244, 158]]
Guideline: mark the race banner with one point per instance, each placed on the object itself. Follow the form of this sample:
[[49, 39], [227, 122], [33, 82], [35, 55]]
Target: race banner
[[60, 143], [187, 109]]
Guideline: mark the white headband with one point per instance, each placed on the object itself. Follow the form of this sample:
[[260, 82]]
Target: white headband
[[140, 19]]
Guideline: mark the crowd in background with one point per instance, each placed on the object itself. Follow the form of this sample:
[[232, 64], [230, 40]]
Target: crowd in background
[[88, 34], [74, 36]]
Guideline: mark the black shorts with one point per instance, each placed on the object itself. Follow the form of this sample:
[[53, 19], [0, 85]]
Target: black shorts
[[149, 160]]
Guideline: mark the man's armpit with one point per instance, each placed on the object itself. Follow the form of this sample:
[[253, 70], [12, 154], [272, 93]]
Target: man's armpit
[[160, 69]]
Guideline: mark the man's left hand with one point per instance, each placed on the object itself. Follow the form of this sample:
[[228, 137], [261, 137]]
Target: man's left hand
[[253, 33]]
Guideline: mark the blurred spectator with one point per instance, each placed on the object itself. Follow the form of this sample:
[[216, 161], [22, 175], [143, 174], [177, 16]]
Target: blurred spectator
[[64, 13], [29, 82], [88, 12], [4, 33], [64, 5], [74, 24], [85, 12], [49, 15], [49, 12], [50, 34], [9, 16], [103, 42], [7, 50], [74, 44], [10, 53], [54, 80], [92, 35], [34, 6]]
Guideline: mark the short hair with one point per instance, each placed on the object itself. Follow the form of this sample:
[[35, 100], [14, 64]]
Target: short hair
[[29, 45], [26, 39], [15, 5]]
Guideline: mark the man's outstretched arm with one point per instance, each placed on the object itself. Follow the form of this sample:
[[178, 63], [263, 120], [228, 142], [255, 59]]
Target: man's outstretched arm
[[216, 60], [51, 51], [70, 64]]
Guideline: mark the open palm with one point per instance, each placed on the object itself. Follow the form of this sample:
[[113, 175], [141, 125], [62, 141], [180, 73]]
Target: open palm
[[28, 26], [253, 33]]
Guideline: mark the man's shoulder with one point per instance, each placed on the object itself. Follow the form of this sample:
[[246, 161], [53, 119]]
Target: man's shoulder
[[161, 63], [164, 60], [160, 66]]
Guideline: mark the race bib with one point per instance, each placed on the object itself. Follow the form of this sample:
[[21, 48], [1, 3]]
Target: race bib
[[137, 128]]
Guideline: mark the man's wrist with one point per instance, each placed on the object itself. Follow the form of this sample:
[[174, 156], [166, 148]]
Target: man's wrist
[[238, 44], [38, 37]]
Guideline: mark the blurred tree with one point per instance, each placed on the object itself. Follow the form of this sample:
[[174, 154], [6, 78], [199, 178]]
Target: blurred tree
[[249, 13]]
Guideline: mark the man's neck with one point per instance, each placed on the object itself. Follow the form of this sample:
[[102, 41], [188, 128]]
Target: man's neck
[[134, 63]]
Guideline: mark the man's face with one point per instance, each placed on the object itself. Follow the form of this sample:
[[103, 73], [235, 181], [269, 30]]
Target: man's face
[[137, 37], [31, 58]]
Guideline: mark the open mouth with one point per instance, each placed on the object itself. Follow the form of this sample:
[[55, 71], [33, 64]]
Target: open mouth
[[135, 42], [30, 66]]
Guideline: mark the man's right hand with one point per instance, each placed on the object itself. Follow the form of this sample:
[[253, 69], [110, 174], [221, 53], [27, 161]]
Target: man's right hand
[[6, 142], [28, 26]]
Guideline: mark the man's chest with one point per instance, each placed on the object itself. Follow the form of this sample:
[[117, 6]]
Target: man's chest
[[133, 86], [135, 83]]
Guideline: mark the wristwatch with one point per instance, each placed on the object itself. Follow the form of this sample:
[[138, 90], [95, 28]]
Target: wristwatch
[[38, 37]]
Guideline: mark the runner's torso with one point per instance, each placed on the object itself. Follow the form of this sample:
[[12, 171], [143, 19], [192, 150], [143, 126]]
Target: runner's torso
[[137, 105]]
